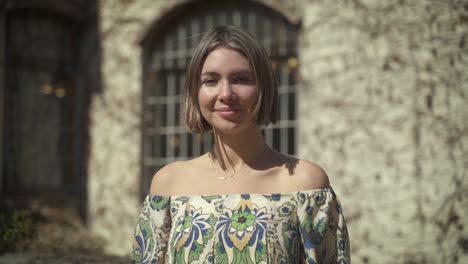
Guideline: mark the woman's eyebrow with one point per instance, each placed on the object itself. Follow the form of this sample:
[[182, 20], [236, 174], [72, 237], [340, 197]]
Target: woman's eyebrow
[[240, 72], [234, 73], [210, 73]]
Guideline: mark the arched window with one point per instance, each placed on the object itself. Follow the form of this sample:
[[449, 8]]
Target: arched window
[[167, 50]]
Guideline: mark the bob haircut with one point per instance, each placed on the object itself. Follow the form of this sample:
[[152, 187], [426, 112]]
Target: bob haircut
[[238, 40]]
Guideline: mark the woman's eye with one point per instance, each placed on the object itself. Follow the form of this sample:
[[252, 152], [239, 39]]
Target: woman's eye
[[243, 80], [209, 82]]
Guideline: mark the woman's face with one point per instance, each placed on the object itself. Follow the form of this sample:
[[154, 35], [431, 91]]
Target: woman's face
[[228, 92]]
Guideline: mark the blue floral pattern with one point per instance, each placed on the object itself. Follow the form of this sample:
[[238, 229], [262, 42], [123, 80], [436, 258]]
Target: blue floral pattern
[[241, 233], [191, 233], [305, 226]]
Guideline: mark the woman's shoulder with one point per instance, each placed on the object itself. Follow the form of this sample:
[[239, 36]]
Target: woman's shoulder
[[306, 175], [167, 178]]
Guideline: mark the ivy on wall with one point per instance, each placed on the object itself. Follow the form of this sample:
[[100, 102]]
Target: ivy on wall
[[391, 75]]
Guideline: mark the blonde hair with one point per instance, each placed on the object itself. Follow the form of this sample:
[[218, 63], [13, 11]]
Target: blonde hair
[[236, 39]]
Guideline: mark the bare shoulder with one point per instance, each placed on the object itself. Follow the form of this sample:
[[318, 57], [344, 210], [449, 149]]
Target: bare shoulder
[[308, 176], [178, 177], [165, 178]]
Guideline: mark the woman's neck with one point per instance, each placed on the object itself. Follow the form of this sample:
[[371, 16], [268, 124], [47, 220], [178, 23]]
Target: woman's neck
[[234, 151]]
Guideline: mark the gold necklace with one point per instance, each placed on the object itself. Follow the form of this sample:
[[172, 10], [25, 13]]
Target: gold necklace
[[228, 176]]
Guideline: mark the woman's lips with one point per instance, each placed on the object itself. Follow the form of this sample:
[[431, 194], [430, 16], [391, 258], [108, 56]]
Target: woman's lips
[[227, 112]]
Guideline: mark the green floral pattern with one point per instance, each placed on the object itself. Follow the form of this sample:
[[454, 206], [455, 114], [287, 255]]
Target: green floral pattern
[[242, 228]]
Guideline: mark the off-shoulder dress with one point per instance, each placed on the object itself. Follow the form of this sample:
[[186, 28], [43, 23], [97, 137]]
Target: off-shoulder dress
[[242, 228]]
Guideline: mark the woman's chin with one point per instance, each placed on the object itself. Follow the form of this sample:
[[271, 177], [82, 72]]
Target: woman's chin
[[230, 128]]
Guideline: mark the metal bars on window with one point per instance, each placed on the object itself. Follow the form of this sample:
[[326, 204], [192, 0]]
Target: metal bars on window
[[165, 138]]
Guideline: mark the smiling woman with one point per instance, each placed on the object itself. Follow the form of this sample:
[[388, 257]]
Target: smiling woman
[[237, 59], [242, 201], [228, 92]]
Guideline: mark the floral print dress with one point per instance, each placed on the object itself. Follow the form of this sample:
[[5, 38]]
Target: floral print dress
[[298, 227]]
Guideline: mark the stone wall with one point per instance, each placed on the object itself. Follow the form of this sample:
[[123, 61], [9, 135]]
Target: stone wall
[[385, 90], [114, 166]]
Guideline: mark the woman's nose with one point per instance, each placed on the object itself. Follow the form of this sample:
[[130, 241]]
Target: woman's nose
[[226, 92]]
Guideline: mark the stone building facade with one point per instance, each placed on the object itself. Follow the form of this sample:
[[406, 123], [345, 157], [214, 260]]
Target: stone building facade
[[382, 95]]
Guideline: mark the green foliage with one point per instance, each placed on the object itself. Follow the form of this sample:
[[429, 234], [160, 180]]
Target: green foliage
[[14, 227], [46, 231]]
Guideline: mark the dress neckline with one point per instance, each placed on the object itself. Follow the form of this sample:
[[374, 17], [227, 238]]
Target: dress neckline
[[324, 189]]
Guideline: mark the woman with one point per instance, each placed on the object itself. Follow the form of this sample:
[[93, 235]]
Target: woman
[[242, 202]]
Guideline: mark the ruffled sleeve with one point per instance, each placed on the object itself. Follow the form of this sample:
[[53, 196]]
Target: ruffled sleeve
[[322, 227], [152, 230]]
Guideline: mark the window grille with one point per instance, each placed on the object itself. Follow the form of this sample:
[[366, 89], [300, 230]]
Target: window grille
[[165, 138]]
